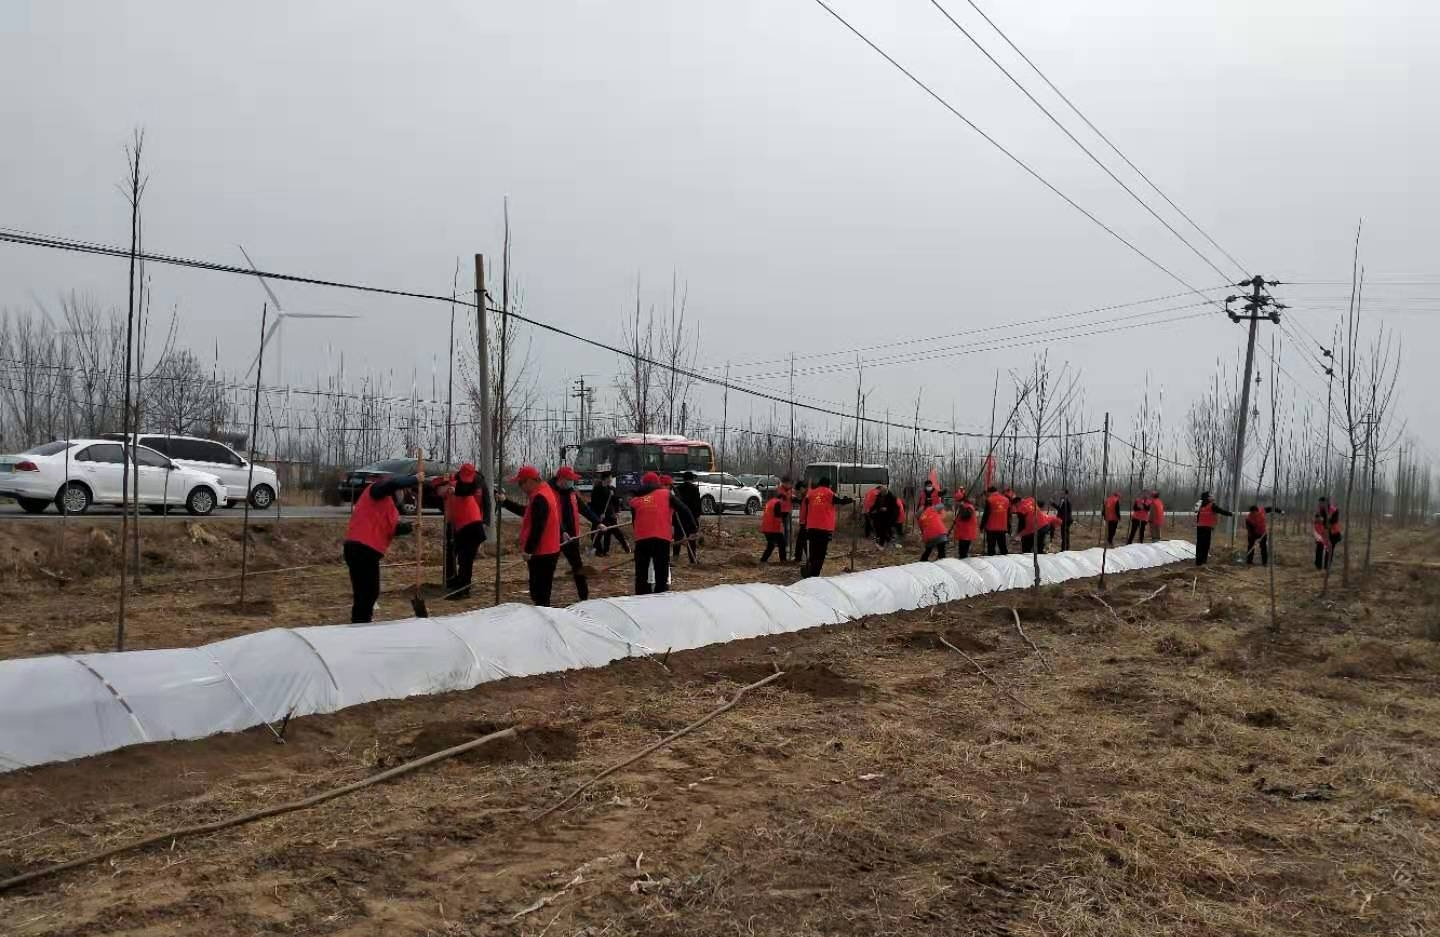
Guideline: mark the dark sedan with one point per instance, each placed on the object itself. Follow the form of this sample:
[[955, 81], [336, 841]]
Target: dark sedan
[[356, 479]]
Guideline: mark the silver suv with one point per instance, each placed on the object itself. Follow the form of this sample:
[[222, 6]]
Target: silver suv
[[218, 459]]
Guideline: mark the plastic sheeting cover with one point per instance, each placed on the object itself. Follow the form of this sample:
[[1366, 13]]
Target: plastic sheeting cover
[[62, 707]]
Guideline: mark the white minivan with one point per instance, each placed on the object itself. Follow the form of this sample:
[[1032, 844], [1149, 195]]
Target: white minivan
[[218, 459]]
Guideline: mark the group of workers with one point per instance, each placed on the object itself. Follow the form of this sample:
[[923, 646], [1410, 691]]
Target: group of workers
[[665, 521]]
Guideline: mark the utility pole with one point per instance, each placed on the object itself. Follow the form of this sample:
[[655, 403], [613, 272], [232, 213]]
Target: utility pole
[[579, 392], [1256, 304], [482, 351]]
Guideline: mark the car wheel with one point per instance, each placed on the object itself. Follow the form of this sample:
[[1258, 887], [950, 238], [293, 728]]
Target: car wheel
[[407, 505], [33, 505], [752, 505], [74, 498], [707, 505], [201, 501], [262, 497]]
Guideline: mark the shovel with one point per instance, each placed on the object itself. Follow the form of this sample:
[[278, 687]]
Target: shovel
[[417, 602]]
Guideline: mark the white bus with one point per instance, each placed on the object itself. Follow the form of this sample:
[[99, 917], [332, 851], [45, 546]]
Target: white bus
[[848, 478]]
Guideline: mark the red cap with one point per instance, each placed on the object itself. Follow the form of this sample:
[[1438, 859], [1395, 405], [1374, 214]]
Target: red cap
[[666, 480], [650, 478], [527, 473], [567, 474], [466, 473]]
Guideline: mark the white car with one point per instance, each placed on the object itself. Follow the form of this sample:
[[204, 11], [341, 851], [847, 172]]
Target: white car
[[721, 491], [218, 459], [74, 474]]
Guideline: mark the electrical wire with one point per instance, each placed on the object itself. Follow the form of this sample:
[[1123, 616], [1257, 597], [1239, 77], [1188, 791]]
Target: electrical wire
[[1108, 142], [1031, 171], [1076, 140]]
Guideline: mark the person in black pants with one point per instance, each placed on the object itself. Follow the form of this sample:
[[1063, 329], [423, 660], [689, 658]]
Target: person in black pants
[[540, 531], [688, 494], [656, 510], [884, 513], [1326, 523], [374, 522], [467, 504], [774, 516], [1066, 512], [1257, 533], [801, 553], [571, 505], [1207, 515], [605, 504]]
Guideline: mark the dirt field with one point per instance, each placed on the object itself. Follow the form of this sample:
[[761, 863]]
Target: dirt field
[[63, 597], [1181, 771]]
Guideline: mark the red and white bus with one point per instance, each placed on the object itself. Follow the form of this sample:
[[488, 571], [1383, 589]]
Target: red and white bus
[[630, 455]]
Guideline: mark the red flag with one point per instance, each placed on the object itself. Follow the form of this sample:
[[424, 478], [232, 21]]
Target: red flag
[[989, 468], [934, 479]]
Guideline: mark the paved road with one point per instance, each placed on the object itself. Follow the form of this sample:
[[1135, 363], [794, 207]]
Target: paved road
[[10, 511]]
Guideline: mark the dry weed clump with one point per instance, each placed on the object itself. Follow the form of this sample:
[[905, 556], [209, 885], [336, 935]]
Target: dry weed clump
[[1368, 659], [1176, 643]]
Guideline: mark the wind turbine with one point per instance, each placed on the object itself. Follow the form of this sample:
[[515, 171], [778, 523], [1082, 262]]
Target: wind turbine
[[280, 316]]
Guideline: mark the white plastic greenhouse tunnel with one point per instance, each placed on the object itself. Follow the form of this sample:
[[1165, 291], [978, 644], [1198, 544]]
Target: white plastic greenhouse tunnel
[[68, 706]]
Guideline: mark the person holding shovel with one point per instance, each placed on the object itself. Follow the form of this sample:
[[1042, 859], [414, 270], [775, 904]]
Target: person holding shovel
[[571, 510], [374, 522], [656, 511], [539, 531], [605, 503], [465, 514]]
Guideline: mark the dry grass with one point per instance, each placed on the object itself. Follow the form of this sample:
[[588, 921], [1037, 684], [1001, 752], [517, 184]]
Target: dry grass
[[1180, 774]]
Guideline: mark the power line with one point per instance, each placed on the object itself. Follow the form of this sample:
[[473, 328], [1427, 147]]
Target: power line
[[1073, 139], [1013, 158], [850, 352], [1071, 104]]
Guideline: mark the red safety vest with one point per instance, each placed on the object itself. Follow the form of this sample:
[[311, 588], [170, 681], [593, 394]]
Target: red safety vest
[[1324, 519], [999, 520], [966, 528], [463, 510], [870, 497], [1030, 517], [932, 524], [550, 536], [1050, 520], [822, 509], [1255, 520], [900, 510], [1206, 516], [373, 522], [1140, 510], [929, 498], [1157, 512], [804, 508], [1112, 508], [652, 515], [769, 523]]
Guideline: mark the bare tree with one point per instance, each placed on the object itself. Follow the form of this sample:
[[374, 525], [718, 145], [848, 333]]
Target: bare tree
[[678, 347], [639, 402]]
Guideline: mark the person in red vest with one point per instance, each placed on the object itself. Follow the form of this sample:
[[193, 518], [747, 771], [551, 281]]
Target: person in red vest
[[1048, 525], [801, 552], [899, 519], [571, 510], [1326, 524], [883, 511], [934, 532], [540, 535], [466, 501], [1207, 515], [967, 525], [772, 525], [786, 494], [867, 507], [1257, 533], [657, 513], [374, 522], [1029, 513], [996, 521], [929, 495], [1157, 516], [1111, 514], [1139, 517], [820, 523]]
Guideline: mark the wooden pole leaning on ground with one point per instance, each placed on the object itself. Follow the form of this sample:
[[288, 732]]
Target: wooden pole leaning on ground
[[417, 602], [718, 711], [187, 831], [250, 483]]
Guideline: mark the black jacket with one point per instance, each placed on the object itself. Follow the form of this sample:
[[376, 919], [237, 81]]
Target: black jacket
[[688, 494]]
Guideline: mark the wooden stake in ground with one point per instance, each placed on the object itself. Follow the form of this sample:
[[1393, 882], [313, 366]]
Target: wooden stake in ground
[[417, 602], [188, 831], [739, 695], [986, 674], [250, 483]]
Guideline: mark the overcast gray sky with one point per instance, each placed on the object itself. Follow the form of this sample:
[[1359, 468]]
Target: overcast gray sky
[[811, 197]]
